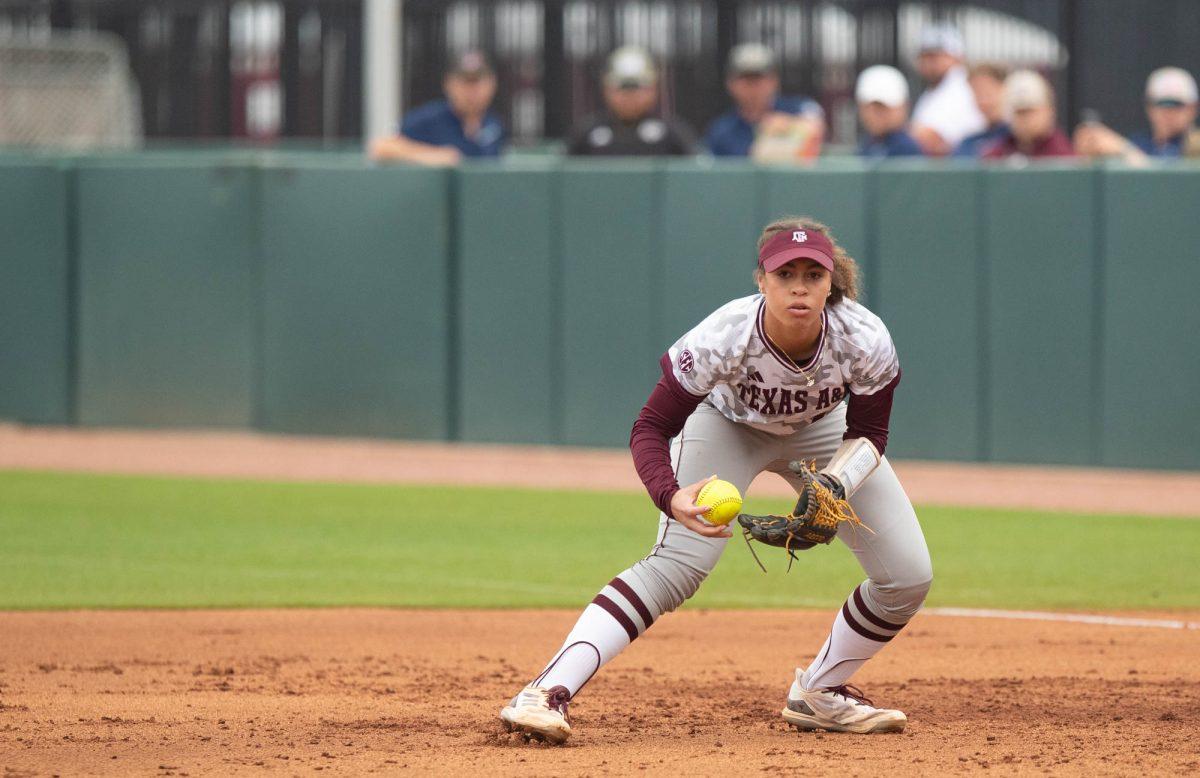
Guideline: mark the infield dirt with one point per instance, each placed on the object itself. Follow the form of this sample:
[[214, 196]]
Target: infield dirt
[[296, 692], [389, 691]]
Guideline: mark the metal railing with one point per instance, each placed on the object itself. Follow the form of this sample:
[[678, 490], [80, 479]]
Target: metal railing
[[266, 69]]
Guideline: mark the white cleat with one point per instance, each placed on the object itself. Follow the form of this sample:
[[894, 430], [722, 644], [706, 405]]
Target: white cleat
[[840, 709], [539, 714]]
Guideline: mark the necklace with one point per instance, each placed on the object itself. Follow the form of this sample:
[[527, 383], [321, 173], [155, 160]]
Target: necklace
[[808, 379]]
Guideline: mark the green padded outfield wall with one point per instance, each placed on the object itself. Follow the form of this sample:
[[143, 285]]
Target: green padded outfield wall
[[35, 307], [1040, 256], [928, 291], [711, 217], [313, 293], [355, 289], [610, 315], [166, 293], [507, 304], [1151, 278]]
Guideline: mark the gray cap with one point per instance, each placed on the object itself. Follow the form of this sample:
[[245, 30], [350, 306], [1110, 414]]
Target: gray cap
[[1026, 89], [630, 67], [751, 59], [470, 64], [942, 37]]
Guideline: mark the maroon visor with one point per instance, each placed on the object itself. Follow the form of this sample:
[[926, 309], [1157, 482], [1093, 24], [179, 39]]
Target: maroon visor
[[787, 245]]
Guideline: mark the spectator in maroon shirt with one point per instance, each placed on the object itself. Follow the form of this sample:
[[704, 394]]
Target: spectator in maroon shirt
[[1033, 132]]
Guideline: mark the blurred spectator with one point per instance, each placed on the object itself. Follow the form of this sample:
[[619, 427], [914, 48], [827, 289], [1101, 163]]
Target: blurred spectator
[[1029, 108], [444, 131], [628, 127], [882, 96], [945, 113], [987, 83], [1171, 111], [763, 124]]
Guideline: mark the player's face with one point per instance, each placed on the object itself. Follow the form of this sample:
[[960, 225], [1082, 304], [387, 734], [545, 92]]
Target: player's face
[[797, 291]]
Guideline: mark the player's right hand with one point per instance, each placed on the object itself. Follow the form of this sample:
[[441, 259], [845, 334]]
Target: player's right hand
[[689, 514]]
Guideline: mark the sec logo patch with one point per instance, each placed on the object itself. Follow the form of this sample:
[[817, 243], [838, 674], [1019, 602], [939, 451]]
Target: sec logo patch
[[686, 362]]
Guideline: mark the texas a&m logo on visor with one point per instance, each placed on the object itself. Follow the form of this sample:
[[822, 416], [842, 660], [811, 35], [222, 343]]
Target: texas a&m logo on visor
[[799, 236], [686, 362]]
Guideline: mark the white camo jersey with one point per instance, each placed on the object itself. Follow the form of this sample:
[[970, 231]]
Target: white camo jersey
[[728, 359]]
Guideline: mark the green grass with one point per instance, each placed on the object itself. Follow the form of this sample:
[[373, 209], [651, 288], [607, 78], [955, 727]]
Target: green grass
[[85, 541]]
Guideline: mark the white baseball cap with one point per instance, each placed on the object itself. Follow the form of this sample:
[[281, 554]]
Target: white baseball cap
[[882, 84], [631, 66], [1026, 89], [751, 59], [1171, 85], [942, 37]]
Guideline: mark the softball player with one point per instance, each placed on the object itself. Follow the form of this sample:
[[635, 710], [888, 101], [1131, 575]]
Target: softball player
[[799, 371]]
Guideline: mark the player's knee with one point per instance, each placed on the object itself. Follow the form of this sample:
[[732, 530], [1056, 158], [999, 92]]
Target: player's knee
[[903, 596], [919, 577], [689, 587], [915, 586], [915, 578], [918, 590], [670, 582], [686, 583]]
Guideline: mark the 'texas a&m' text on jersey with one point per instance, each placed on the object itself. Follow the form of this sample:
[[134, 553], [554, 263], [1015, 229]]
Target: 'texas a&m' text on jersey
[[728, 359]]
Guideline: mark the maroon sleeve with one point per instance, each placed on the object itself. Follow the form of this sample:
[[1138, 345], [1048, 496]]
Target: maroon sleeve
[[867, 415], [1061, 145], [661, 419]]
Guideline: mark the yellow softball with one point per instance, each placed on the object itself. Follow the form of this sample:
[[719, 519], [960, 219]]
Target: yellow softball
[[722, 499]]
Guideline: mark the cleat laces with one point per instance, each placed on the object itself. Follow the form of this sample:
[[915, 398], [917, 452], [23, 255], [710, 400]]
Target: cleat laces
[[556, 699], [852, 693]]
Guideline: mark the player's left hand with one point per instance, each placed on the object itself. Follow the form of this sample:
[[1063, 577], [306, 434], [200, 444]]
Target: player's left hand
[[820, 510], [824, 479]]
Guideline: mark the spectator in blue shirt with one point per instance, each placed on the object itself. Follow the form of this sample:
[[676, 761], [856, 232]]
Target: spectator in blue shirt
[[987, 84], [444, 131], [1171, 102], [763, 124], [882, 96]]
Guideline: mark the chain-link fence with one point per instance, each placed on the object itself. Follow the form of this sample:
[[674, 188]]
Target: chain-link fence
[[68, 91], [550, 54], [267, 69]]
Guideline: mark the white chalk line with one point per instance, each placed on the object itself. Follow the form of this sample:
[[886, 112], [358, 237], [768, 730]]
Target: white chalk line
[[1077, 618]]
